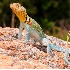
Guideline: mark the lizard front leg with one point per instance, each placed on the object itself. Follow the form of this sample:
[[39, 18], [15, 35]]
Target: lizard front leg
[[20, 30], [27, 28]]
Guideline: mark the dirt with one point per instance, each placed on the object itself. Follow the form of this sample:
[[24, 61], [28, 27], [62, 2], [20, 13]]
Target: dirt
[[15, 54]]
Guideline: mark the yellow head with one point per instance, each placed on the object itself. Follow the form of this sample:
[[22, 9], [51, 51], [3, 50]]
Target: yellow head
[[19, 10]]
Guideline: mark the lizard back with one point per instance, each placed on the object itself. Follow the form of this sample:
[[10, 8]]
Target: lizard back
[[37, 27]]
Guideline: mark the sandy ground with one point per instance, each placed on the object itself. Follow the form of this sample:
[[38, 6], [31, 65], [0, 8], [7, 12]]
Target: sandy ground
[[15, 54]]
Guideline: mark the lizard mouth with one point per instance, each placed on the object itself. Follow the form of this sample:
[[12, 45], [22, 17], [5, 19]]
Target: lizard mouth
[[19, 10]]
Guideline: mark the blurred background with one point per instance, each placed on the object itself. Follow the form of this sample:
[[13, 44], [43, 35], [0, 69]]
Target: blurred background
[[52, 15]]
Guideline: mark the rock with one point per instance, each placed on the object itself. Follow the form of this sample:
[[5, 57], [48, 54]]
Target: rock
[[15, 54]]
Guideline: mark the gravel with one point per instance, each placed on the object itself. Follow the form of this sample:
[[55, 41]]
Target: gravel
[[15, 54]]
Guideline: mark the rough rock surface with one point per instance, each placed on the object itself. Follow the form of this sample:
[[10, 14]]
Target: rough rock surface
[[15, 54]]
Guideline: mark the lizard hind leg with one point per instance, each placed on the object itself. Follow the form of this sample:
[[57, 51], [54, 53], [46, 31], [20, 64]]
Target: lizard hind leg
[[46, 42], [48, 49]]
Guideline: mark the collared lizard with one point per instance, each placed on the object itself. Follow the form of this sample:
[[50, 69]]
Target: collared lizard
[[34, 30]]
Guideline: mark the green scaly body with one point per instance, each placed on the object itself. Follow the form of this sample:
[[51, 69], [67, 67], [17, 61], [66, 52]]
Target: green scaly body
[[37, 27]]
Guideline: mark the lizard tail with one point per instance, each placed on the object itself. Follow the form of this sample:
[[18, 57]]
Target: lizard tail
[[65, 58], [67, 52], [50, 46]]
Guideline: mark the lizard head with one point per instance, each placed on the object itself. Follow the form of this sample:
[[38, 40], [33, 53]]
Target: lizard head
[[19, 10]]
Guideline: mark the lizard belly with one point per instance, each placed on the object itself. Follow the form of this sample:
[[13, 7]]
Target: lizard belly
[[35, 35]]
